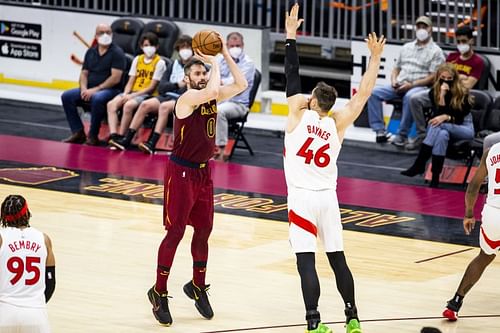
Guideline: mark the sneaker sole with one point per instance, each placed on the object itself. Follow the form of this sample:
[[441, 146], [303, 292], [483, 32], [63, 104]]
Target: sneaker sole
[[204, 315], [116, 145], [145, 149], [399, 144], [152, 301]]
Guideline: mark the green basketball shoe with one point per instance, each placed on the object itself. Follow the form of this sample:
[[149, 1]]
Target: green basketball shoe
[[322, 328], [353, 326]]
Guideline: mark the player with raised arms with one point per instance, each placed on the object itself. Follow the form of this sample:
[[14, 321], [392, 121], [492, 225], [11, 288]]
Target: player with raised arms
[[313, 140]]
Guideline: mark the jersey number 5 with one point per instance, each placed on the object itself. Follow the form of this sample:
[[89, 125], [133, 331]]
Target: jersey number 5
[[16, 266], [320, 157]]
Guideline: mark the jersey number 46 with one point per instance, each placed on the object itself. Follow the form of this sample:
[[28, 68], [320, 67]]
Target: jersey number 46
[[319, 157]]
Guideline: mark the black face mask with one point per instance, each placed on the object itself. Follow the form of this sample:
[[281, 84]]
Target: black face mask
[[449, 82]]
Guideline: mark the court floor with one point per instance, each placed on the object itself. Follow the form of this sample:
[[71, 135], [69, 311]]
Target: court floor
[[106, 250]]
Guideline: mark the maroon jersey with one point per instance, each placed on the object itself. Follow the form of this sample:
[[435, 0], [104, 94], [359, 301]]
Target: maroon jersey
[[470, 67], [194, 139]]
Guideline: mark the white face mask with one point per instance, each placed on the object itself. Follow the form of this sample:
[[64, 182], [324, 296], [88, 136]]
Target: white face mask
[[149, 51], [104, 39], [422, 34], [235, 52], [185, 54], [463, 48]]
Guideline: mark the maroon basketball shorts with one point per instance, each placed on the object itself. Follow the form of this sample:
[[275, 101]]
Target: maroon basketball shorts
[[188, 196]]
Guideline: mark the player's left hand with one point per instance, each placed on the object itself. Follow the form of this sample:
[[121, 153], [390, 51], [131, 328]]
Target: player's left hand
[[375, 45], [469, 223], [204, 57], [224, 51], [292, 21]]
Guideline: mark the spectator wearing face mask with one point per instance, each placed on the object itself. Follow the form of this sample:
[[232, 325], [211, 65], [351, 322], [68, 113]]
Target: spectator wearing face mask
[[413, 72], [170, 87], [144, 75], [100, 78], [469, 66], [238, 105], [451, 120]]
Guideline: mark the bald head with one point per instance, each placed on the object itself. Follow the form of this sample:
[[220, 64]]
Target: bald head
[[103, 28]]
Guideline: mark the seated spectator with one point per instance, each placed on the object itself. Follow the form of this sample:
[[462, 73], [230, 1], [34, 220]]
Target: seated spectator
[[237, 106], [414, 70], [144, 75], [451, 119], [100, 79], [172, 84], [469, 66]]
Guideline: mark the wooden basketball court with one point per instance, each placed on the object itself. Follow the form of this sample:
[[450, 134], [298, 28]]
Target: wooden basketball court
[[106, 251]]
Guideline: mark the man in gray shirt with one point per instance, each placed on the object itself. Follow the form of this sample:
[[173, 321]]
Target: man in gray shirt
[[413, 72], [238, 105]]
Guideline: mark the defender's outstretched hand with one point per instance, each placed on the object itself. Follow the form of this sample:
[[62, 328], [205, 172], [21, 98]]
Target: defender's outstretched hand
[[376, 46], [292, 21]]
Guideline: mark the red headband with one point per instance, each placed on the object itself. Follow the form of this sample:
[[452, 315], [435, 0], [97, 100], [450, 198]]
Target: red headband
[[18, 215]]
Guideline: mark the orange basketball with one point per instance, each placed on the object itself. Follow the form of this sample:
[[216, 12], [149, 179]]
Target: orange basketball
[[207, 41]]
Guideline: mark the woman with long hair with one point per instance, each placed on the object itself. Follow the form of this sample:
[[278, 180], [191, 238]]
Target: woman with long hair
[[451, 119]]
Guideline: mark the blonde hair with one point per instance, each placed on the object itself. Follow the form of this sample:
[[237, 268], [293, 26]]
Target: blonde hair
[[458, 92]]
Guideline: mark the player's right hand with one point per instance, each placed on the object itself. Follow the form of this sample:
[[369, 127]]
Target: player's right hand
[[375, 45], [469, 223]]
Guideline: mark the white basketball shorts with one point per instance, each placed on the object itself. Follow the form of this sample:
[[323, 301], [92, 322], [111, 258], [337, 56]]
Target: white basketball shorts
[[16, 319], [489, 235], [314, 214]]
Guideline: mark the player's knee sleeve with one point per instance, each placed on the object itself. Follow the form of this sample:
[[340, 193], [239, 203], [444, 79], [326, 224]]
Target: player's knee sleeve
[[305, 262], [203, 233], [337, 261]]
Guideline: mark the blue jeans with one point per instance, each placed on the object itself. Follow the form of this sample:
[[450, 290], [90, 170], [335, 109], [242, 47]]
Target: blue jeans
[[387, 93], [71, 99], [438, 136]]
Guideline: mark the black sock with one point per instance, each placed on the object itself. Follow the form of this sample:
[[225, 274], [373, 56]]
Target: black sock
[[313, 319], [153, 139], [129, 136], [455, 303]]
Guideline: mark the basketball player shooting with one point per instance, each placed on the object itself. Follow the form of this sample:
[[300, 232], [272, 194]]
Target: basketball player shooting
[[188, 196], [313, 140]]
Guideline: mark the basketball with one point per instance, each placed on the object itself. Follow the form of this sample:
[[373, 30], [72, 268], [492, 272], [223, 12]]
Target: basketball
[[207, 41]]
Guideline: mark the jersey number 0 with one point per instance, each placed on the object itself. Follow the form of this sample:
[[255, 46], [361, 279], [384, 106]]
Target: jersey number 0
[[320, 157]]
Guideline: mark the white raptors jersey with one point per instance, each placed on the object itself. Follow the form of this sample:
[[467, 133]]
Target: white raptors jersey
[[311, 151], [493, 166], [23, 256]]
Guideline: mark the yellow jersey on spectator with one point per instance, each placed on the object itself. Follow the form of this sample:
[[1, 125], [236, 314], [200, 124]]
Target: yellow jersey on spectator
[[144, 73]]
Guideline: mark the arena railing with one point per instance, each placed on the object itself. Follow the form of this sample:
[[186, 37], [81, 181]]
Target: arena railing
[[335, 19]]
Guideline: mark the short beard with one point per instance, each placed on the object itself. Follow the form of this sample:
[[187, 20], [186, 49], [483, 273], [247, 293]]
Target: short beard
[[198, 86]]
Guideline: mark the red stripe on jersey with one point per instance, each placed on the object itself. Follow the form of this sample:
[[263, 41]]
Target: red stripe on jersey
[[491, 243], [302, 223]]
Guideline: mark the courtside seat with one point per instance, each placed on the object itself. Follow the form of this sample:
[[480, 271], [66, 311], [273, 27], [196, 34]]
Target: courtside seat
[[236, 125], [126, 33], [467, 150], [167, 32]]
